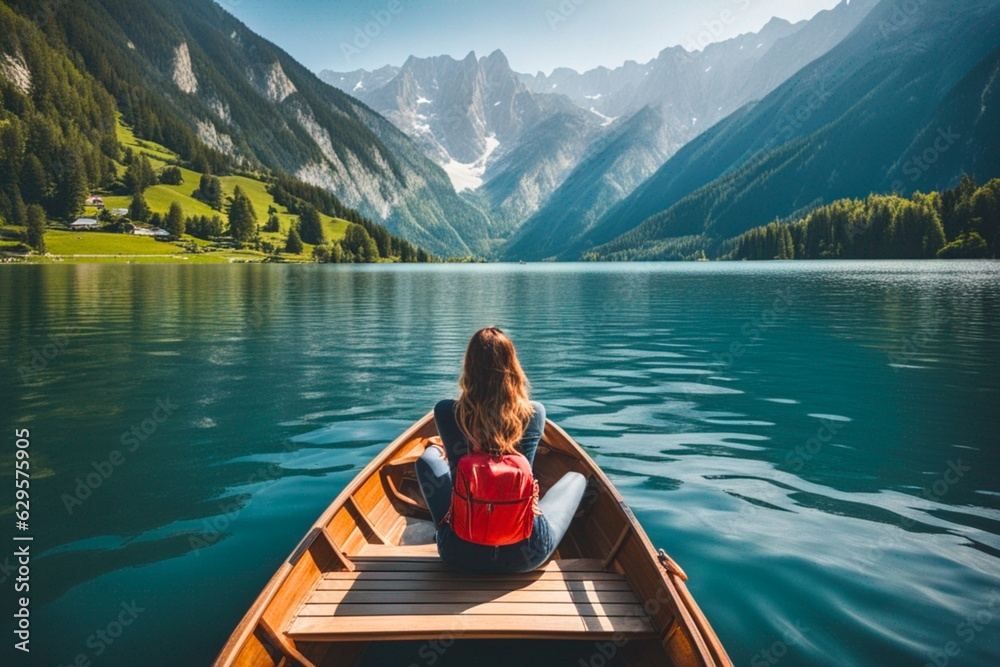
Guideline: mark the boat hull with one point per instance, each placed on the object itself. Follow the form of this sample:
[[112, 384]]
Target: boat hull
[[367, 573]]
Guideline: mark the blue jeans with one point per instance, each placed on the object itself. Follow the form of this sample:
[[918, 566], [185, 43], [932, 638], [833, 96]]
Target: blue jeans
[[558, 506]]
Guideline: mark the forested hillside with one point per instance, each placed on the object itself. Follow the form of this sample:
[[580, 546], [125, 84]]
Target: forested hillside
[[60, 141], [960, 223], [963, 222], [902, 104], [665, 104], [57, 126], [190, 76]]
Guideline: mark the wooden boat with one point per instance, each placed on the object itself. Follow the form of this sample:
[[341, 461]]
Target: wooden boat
[[367, 575]]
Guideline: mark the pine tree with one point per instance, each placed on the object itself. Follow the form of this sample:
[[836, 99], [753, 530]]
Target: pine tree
[[34, 181], [311, 226], [12, 150], [73, 187], [138, 210], [18, 211], [359, 243], [242, 217], [293, 246], [36, 228], [273, 223], [210, 191], [321, 254], [171, 176], [214, 226], [139, 175], [174, 222], [336, 253]]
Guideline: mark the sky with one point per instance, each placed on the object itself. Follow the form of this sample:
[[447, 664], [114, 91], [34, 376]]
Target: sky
[[536, 35]]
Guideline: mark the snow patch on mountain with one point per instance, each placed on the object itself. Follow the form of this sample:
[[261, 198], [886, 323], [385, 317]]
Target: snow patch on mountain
[[183, 72], [419, 125], [605, 120], [469, 175]]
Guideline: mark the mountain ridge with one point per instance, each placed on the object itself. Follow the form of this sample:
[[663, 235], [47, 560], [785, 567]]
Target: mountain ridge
[[874, 95], [197, 71], [472, 115], [519, 183], [694, 92]]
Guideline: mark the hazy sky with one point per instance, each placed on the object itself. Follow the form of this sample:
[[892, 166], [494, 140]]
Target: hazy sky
[[534, 34]]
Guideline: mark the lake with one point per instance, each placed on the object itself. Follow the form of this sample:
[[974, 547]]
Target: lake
[[815, 443]]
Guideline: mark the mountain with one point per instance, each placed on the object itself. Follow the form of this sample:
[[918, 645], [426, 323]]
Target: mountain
[[61, 139], [189, 73], [547, 155], [972, 105], [612, 166], [458, 111], [482, 125], [745, 67], [904, 92], [519, 180], [665, 104], [607, 91], [57, 126], [358, 82]]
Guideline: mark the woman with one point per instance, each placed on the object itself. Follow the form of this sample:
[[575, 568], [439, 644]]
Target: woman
[[493, 415]]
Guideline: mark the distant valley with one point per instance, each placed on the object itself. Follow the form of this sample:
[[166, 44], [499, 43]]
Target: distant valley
[[545, 156]]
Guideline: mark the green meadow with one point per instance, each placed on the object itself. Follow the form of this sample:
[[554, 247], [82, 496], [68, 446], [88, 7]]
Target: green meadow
[[64, 245]]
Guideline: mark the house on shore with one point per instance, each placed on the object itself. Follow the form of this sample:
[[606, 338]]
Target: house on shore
[[94, 200], [84, 224]]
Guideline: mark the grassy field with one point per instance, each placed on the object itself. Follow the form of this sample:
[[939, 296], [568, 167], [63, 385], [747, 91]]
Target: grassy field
[[102, 247], [86, 247], [212, 258], [159, 198], [61, 242]]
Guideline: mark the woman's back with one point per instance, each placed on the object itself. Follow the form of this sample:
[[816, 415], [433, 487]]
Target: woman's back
[[493, 415], [456, 444]]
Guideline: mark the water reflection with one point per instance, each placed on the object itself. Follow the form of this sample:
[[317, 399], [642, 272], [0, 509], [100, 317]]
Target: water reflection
[[795, 461]]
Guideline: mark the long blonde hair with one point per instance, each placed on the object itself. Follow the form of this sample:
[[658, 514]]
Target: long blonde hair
[[493, 408]]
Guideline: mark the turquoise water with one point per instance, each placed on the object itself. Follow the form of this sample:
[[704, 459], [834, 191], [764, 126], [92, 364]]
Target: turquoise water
[[815, 443]]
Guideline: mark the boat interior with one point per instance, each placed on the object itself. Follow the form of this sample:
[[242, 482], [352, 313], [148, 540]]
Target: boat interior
[[366, 585]]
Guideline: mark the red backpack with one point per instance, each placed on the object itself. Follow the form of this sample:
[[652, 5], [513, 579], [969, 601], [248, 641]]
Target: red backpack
[[492, 501]]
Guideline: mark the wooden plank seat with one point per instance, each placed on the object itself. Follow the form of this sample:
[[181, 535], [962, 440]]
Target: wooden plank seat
[[408, 593]]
